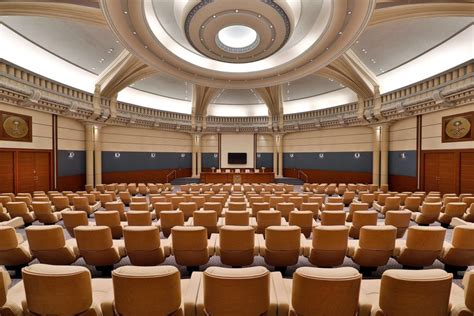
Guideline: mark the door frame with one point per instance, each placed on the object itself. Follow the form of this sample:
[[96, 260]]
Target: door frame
[[457, 166], [16, 152]]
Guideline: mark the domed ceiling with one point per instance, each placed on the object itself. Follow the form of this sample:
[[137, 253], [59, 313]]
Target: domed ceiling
[[319, 53]]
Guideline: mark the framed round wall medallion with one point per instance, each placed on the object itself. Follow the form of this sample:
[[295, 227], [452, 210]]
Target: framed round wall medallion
[[458, 127], [15, 127]]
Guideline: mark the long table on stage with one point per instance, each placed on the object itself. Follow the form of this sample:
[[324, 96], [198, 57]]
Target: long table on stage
[[233, 177]]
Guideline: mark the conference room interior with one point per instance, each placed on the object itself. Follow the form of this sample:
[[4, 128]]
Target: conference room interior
[[251, 157]]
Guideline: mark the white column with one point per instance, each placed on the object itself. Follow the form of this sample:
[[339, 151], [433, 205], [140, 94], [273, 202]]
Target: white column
[[98, 154], [376, 155], [89, 130], [384, 146], [196, 159]]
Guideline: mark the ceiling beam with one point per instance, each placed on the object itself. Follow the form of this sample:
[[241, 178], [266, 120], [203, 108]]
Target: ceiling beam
[[68, 11], [421, 10], [273, 99], [122, 72], [352, 73]]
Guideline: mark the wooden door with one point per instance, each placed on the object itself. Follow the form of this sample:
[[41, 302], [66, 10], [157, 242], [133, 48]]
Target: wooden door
[[467, 172], [34, 171], [440, 172], [431, 174], [448, 173], [7, 171], [26, 167], [42, 171]]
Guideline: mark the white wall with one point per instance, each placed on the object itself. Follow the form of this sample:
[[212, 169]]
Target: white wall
[[237, 143]]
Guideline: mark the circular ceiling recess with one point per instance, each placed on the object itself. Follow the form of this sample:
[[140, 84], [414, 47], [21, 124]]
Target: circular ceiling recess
[[237, 44], [237, 39], [254, 33]]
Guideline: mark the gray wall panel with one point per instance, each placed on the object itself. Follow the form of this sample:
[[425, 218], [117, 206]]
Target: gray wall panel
[[336, 161], [135, 161]]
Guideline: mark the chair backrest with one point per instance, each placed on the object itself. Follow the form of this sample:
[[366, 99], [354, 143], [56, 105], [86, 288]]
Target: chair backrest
[[392, 203], [175, 200], [143, 245], [363, 218], [455, 209], [139, 206], [282, 245], [267, 218], [239, 218], [190, 245], [334, 206], [139, 218], [237, 206], [297, 201], [413, 203], [188, 208], [399, 219], [169, 219], [81, 203], [107, 218], [57, 290], [17, 208], [285, 208], [5, 282], [425, 238], [382, 198], [250, 293], [431, 210], [136, 287], [206, 218], [337, 288], [237, 245], [43, 238], [73, 219], [377, 237], [333, 218], [259, 206], [408, 292]]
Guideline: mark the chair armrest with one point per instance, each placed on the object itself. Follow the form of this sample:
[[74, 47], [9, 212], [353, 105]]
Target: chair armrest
[[261, 244], [281, 295], [215, 241], [211, 244], [191, 294]]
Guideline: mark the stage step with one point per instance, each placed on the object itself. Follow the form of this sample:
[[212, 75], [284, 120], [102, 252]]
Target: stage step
[[185, 180], [288, 180]]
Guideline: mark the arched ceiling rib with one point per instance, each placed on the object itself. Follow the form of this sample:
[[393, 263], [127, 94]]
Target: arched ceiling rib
[[124, 71], [68, 11]]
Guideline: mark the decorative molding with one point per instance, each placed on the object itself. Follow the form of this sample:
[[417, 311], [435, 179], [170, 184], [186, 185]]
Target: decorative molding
[[452, 88]]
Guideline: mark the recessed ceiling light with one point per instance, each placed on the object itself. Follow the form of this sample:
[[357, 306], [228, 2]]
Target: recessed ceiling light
[[273, 39], [93, 68], [236, 11], [214, 16], [349, 12], [146, 47], [271, 26], [125, 12], [134, 33], [357, 42], [259, 16], [117, 42], [330, 79], [327, 48], [340, 33]]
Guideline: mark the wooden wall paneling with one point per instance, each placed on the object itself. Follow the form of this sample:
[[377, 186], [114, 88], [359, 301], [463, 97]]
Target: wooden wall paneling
[[402, 183], [7, 171], [26, 167], [72, 183], [466, 172], [42, 171], [155, 176], [330, 176]]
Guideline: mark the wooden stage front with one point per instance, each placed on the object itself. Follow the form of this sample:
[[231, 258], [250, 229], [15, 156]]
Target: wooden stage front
[[233, 177]]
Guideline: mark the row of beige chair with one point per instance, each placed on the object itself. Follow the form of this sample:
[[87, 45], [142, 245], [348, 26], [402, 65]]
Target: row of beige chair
[[281, 246], [133, 188], [255, 291]]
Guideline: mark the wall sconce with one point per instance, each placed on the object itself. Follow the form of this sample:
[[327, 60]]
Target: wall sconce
[[403, 155], [183, 155], [321, 155], [357, 155], [216, 155], [153, 155], [259, 155], [71, 155], [292, 155], [117, 155]]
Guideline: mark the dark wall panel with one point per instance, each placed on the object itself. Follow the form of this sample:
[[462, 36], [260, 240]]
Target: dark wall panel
[[208, 160], [140, 161], [402, 166], [333, 161], [265, 160], [71, 162]]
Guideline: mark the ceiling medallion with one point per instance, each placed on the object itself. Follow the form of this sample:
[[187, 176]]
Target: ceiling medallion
[[253, 32]]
